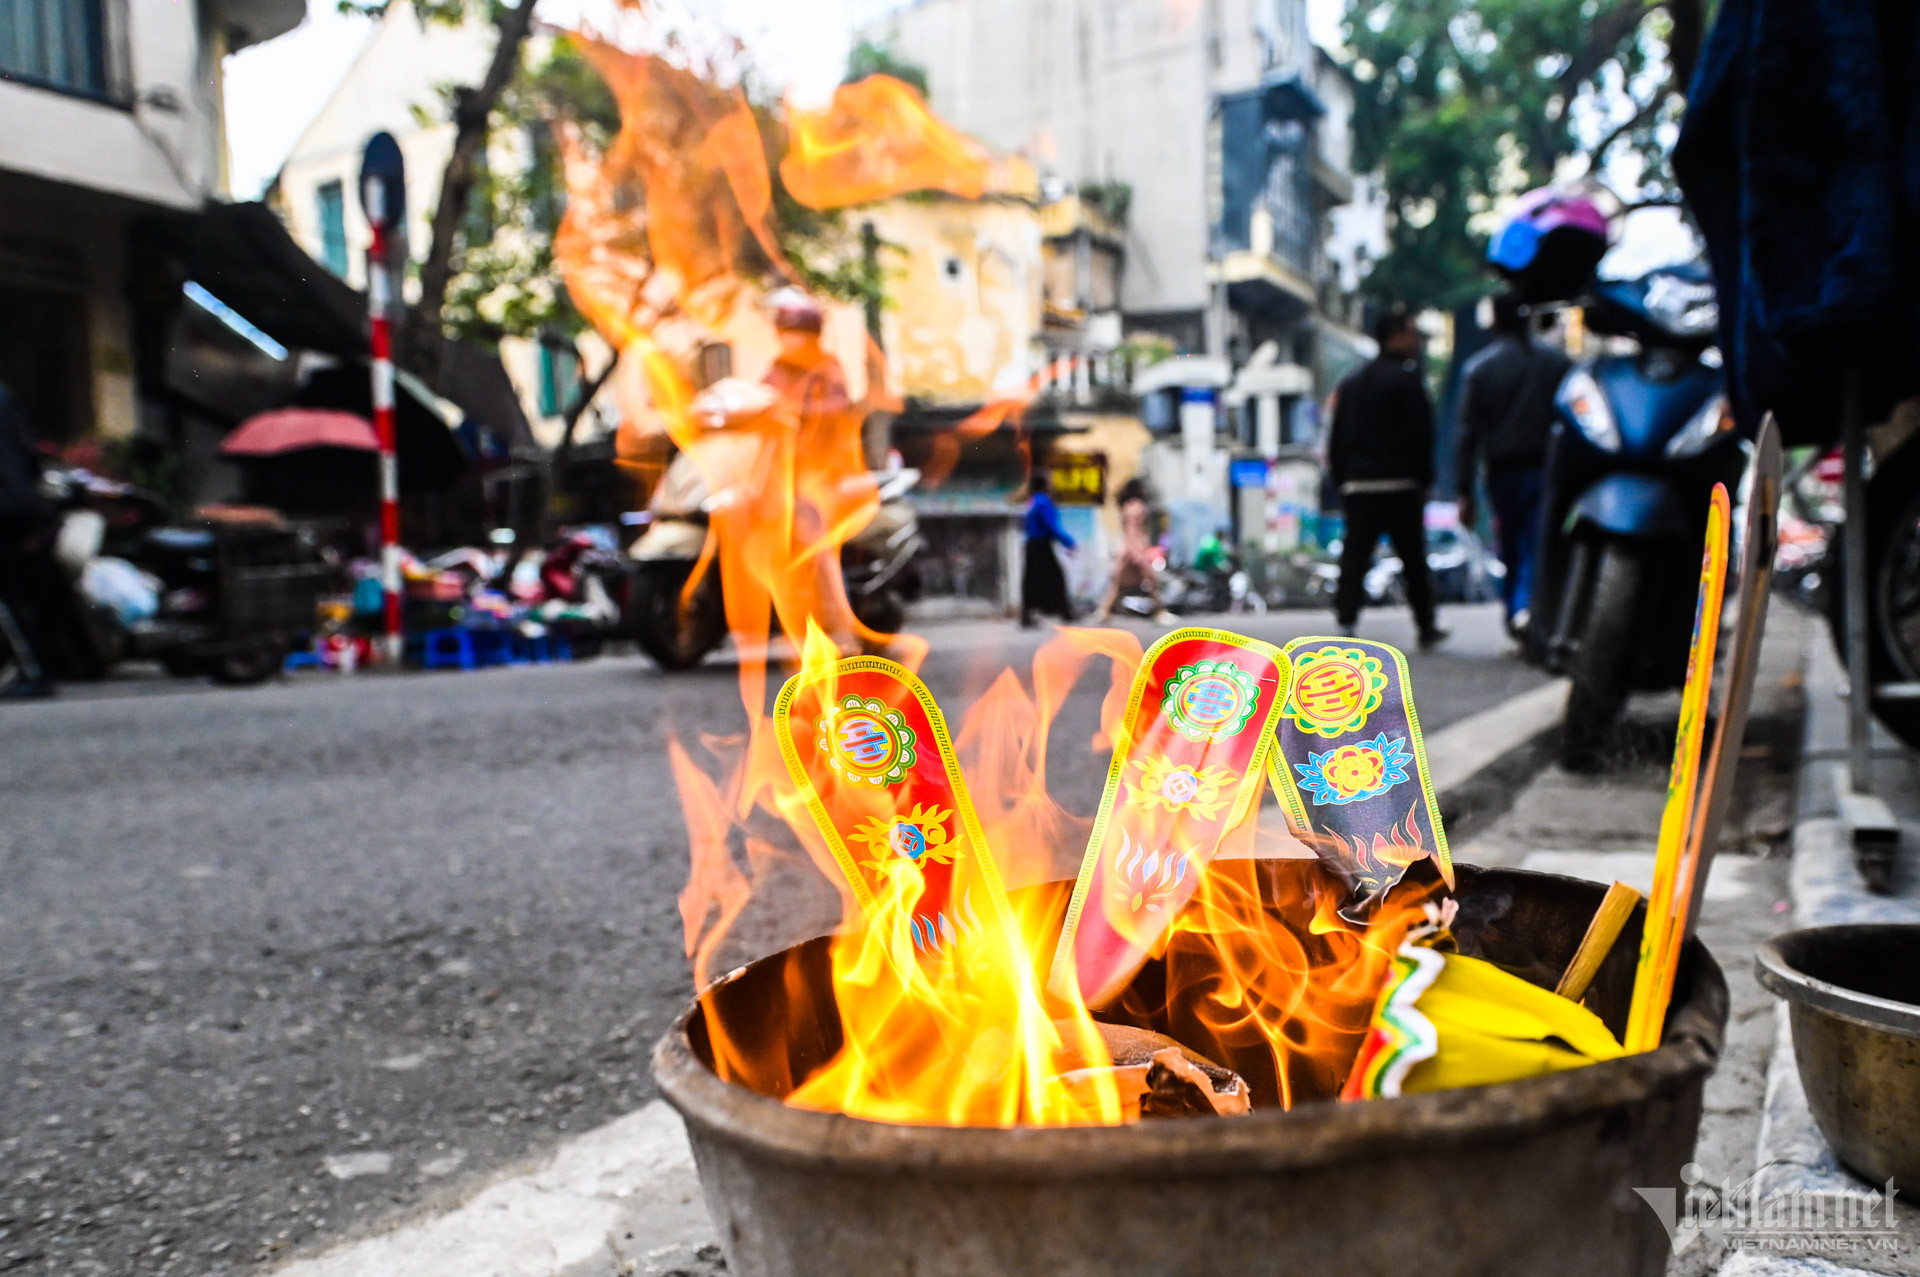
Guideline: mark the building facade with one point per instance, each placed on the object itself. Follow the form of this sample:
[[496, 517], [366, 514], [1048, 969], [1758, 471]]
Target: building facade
[[1222, 137], [110, 115]]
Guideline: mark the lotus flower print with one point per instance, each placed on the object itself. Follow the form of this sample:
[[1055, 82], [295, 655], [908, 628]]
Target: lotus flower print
[[1145, 879]]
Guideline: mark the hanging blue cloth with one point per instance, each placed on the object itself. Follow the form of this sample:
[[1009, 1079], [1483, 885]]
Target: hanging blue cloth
[[1800, 157]]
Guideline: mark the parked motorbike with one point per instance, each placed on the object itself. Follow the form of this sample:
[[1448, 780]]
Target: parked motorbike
[[214, 598], [587, 586], [1191, 591], [1644, 433], [678, 629]]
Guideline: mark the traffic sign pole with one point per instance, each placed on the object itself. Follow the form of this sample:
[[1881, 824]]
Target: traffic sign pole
[[379, 290], [383, 194]]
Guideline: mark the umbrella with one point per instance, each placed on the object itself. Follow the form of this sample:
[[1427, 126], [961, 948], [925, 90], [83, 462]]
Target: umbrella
[[308, 461], [284, 430], [430, 457]]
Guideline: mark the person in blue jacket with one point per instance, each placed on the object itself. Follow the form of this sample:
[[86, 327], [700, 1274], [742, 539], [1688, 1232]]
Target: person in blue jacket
[[1043, 586]]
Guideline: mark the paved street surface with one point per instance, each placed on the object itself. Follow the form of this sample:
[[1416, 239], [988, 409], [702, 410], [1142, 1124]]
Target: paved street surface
[[280, 964]]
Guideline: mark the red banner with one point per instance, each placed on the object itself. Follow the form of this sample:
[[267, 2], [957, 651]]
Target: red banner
[[1187, 768], [870, 753]]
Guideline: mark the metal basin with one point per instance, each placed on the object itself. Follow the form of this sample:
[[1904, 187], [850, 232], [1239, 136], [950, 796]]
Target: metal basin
[[1520, 1178], [1853, 994]]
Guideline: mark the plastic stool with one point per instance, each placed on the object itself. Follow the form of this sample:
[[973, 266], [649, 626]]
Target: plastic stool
[[491, 646], [450, 648]]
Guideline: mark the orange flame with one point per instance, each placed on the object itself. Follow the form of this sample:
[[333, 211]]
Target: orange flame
[[668, 243], [877, 138]]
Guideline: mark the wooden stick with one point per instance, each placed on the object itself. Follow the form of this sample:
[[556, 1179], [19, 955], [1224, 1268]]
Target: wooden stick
[[1605, 928]]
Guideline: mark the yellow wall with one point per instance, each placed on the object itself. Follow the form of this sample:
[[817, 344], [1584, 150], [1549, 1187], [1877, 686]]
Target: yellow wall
[[962, 323]]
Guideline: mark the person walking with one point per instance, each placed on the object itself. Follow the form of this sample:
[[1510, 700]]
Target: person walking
[[1043, 586], [1506, 415], [24, 564], [1380, 458], [1138, 566]]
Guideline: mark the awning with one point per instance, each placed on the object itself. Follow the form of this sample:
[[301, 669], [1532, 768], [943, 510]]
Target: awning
[[241, 254]]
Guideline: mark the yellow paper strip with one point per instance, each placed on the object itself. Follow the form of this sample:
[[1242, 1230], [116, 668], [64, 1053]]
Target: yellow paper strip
[[1659, 946]]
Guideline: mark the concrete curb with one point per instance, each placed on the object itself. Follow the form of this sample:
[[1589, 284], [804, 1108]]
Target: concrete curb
[[624, 1199], [1793, 1156]]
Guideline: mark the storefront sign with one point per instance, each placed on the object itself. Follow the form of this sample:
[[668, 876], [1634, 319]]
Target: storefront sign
[[1078, 478]]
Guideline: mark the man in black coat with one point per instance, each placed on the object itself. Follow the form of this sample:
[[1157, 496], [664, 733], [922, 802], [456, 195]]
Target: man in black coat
[[1506, 413], [1380, 457], [23, 560]]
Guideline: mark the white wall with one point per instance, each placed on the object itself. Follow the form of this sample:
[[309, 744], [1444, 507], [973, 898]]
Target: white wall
[[1106, 90], [142, 150], [399, 73]]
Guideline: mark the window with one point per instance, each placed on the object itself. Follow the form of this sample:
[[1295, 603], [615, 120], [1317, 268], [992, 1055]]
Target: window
[[58, 43], [559, 380], [331, 199]]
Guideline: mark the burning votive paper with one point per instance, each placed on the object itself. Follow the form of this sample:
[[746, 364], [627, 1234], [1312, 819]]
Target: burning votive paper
[[1351, 766], [1445, 1020], [869, 751], [1186, 769]]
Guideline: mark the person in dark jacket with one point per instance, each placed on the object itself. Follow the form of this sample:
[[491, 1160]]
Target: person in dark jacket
[[1506, 415], [24, 565], [1043, 586], [1380, 458]]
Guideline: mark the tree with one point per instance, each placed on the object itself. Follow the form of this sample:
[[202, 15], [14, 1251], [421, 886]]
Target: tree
[[472, 116], [1459, 102], [869, 58]]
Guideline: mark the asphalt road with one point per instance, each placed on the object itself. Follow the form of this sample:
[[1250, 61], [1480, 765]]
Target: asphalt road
[[280, 963]]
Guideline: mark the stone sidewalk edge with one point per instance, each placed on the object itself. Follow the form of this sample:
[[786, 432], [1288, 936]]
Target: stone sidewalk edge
[[1793, 1155]]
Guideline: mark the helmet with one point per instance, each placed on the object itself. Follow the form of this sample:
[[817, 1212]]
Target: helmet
[[1550, 244], [794, 311]]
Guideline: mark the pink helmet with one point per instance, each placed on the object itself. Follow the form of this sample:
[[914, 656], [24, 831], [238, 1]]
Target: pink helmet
[[1550, 244]]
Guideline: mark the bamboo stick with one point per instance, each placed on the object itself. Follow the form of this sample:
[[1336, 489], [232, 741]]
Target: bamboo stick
[[1608, 921]]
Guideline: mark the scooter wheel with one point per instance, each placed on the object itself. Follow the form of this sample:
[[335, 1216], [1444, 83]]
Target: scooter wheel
[[1602, 665], [882, 613], [677, 637], [254, 663]]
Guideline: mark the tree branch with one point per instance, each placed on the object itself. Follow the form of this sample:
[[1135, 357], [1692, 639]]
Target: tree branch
[[1641, 115], [1609, 29], [1684, 41], [473, 109], [582, 400]]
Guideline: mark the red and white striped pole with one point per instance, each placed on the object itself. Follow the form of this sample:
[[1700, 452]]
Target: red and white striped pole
[[383, 194], [379, 291]]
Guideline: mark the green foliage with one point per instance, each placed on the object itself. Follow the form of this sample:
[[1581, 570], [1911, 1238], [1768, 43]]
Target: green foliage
[[505, 281], [869, 58], [1145, 349], [1459, 102], [1110, 199]]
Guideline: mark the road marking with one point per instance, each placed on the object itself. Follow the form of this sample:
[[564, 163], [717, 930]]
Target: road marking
[[1459, 751], [622, 1198], [1728, 879]]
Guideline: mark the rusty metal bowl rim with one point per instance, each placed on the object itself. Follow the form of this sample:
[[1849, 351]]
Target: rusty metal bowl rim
[[1775, 968], [1311, 1135]]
